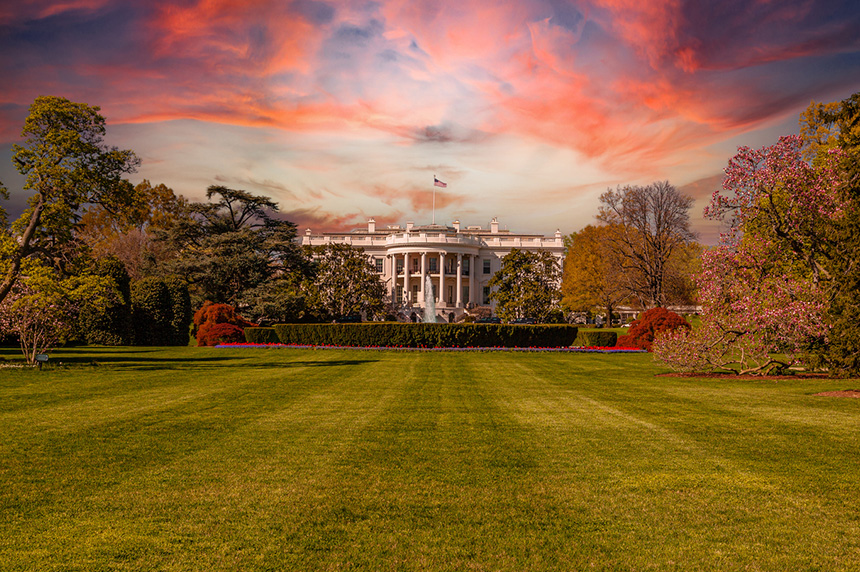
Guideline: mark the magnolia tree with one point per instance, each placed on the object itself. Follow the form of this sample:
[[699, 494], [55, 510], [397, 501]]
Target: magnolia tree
[[764, 289], [41, 309]]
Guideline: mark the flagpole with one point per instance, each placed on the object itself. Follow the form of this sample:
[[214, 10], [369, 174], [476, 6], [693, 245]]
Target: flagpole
[[434, 199]]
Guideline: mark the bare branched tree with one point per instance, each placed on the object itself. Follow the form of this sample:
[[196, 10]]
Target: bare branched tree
[[651, 223]]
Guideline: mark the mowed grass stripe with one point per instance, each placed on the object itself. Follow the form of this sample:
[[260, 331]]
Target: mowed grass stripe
[[338, 460], [173, 449]]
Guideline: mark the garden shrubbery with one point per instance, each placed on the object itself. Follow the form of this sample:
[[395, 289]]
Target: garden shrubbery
[[261, 336], [596, 339], [654, 321], [394, 334], [219, 323], [160, 310]]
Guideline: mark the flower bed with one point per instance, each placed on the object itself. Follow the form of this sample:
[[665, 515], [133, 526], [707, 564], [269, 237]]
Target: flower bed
[[590, 349]]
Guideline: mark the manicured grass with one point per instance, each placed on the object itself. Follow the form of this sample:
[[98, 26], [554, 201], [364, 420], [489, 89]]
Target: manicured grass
[[205, 459]]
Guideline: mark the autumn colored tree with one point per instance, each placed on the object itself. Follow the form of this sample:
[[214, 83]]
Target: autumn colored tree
[[592, 276], [131, 234]]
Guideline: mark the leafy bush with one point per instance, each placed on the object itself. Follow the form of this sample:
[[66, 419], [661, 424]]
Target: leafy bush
[[151, 313], [212, 334], [110, 324], [210, 315], [654, 321], [160, 310], [381, 334], [596, 339], [261, 336]]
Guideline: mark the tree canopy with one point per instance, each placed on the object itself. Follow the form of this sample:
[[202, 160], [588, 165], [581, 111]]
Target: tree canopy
[[526, 286], [67, 165]]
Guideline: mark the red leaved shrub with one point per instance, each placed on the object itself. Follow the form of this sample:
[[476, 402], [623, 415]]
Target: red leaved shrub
[[218, 323], [642, 332], [211, 334]]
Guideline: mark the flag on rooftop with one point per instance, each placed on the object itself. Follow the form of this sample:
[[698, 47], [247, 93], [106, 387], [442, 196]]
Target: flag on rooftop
[[439, 183]]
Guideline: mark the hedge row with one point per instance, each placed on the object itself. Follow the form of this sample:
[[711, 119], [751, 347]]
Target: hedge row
[[261, 336], [596, 339], [397, 334]]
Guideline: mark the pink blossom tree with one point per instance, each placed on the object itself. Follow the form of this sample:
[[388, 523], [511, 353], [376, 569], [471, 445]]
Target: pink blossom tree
[[41, 308], [764, 289]]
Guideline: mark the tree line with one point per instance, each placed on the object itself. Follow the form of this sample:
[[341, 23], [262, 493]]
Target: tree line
[[93, 254]]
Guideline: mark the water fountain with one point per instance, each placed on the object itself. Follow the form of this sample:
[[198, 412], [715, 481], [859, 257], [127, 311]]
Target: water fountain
[[429, 302]]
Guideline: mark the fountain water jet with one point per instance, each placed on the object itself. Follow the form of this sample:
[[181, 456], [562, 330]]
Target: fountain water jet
[[429, 302]]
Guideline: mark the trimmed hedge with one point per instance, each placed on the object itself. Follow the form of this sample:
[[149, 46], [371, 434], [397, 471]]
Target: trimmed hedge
[[398, 334], [261, 336], [596, 339]]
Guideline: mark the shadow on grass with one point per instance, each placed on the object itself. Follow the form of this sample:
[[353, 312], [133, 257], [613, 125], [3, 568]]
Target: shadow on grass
[[155, 358]]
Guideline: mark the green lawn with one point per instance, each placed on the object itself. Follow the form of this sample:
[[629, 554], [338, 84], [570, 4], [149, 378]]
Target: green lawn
[[205, 459]]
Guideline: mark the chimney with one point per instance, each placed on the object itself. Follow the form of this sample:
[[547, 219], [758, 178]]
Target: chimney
[[409, 225], [494, 225], [457, 225], [371, 225]]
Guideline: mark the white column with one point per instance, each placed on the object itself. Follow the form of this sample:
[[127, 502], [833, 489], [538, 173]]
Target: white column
[[459, 294], [423, 276], [473, 279], [392, 272], [406, 279], [442, 279]]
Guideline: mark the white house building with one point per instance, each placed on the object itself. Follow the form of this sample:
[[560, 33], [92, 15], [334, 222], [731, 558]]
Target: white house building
[[458, 261]]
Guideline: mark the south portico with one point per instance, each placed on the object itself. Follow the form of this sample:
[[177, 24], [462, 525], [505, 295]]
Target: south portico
[[458, 261]]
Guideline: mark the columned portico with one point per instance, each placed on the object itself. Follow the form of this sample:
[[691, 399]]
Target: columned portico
[[420, 252]]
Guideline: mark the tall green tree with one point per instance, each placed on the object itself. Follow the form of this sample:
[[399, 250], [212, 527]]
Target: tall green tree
[[526, 286], [344, 283], [67, 165], [232, 245]]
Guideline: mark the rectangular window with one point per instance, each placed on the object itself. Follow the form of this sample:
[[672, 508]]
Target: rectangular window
[[378, 263], [466, 299], [486, 295], [432, 264], [399, 265], [450, 294], [414, 293], [466, 263], [399, 294], [416, 265], [486, 266]]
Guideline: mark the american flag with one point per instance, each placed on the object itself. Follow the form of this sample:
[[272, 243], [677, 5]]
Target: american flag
[[439, 183]]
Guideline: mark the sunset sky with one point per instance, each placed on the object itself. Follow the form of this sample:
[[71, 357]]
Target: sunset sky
[[345, 110]]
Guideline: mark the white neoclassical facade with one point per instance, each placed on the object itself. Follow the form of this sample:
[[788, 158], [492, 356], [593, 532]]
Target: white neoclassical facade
[[458, 261]]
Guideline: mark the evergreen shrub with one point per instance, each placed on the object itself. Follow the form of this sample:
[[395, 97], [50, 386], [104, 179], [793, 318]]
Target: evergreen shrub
[[596, 339], [160, 312], [110, 325], [397, 334], [261, 336]]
